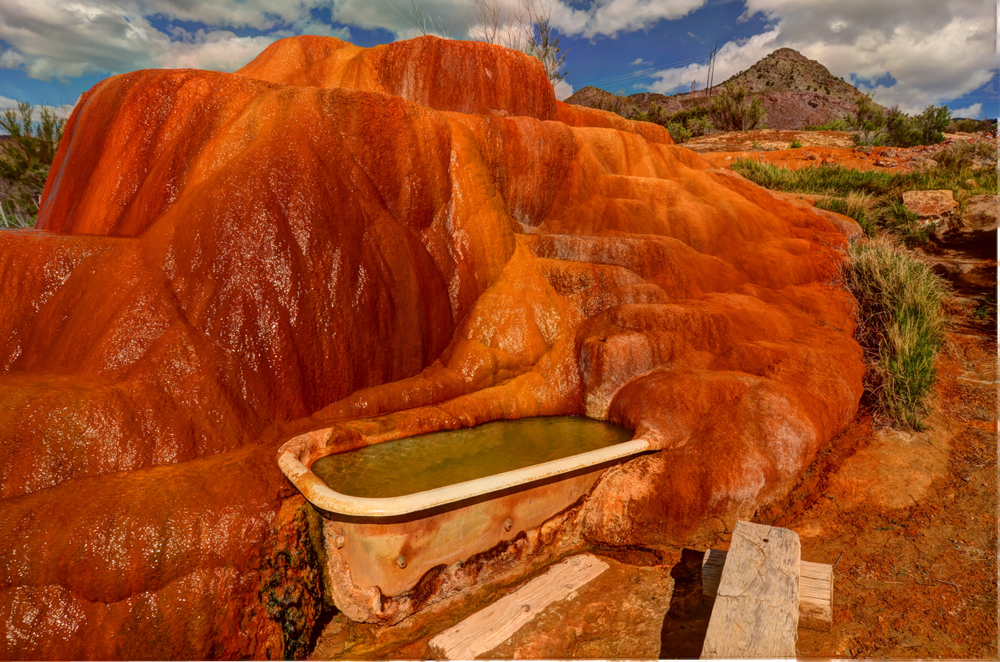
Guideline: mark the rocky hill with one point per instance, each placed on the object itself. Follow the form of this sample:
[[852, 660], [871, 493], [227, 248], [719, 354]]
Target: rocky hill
[[796, 91]]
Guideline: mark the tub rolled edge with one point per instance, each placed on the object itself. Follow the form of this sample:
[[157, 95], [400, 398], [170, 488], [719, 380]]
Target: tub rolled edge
[[326, 498]]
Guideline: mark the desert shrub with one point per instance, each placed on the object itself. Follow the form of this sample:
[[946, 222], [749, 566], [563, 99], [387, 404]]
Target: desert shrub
[[682, 125], [678, 132], [901, 129], [736, 109], [868, 121], [795, 144], [25, 160], [970, 126], [932, 124], [876, 126], [900, 326]]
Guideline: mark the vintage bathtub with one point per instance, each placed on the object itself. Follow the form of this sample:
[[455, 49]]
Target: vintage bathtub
[[386, 544]]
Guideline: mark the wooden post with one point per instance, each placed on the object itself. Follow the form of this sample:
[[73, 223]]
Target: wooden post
[[756, 612]]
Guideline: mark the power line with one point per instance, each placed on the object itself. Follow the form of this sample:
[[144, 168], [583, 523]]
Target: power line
[[644, 72]]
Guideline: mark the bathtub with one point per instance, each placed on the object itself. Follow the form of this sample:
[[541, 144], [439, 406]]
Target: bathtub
[[379, 547]]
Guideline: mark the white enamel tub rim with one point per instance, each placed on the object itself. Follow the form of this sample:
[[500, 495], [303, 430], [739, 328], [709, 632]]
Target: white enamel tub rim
[[326, 498]]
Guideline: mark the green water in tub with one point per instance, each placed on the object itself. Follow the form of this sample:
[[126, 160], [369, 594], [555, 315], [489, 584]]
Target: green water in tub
[[426, 461]]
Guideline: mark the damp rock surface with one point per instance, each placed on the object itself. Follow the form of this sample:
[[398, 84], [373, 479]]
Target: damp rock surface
[[399, 239]]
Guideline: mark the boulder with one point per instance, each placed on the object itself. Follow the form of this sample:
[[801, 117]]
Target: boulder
[[982, 213], [931, 206]]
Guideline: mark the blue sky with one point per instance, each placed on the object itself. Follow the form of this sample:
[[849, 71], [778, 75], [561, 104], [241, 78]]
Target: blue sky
[[911, 52]]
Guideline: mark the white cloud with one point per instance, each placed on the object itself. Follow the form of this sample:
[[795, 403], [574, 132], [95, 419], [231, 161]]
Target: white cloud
[[975, 112], [609, 18], [935, 50], [563, 90], [638, 62]]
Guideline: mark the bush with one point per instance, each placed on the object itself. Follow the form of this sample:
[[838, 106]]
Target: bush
[[932, 124], [735, 109], [900, 326], [875, 126], [970, 126], [869, 121], [795, 144], [901, 129], [678, 132], [25, 160]]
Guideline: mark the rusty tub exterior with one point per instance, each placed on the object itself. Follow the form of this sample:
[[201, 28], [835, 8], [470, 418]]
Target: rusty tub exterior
[[379, 547]]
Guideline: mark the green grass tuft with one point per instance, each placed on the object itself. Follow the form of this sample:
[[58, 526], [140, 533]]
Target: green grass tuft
[[901, 326]]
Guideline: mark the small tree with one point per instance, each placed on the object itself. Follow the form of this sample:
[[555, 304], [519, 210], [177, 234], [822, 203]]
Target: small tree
[[869, 120], [735, 109], [933, 122], [527, 18], [544, 45]]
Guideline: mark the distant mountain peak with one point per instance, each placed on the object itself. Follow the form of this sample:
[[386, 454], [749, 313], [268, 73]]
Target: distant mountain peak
[[787, 70], [796, 92]]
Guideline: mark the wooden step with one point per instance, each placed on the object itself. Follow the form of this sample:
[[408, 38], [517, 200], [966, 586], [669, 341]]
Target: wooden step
[[815, 589], [756, 612]]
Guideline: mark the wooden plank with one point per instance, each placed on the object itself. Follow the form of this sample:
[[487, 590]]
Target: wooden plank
[[490, 627], [815, 589], [815, 596], [756, 612]]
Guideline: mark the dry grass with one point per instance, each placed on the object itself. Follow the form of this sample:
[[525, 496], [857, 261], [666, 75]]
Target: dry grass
[[901, 326]]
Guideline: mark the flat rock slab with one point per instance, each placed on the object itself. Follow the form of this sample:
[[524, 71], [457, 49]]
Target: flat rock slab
[[982, 213], [756, 612], [492, 626], [930, 205]]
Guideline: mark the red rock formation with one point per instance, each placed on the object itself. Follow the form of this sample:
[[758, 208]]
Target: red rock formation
[[333, 234]]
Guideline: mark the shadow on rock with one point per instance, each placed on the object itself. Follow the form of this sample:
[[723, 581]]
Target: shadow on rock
[[686, 621]]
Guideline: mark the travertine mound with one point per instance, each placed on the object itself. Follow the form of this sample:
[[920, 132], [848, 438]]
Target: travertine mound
[[387, 240]]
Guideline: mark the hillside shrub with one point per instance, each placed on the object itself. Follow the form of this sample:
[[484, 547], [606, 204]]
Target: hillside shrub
[[736, 109], [875, 126], [900, 326], [678, 132], [682, 125], [25, 160], [970, 126], [869, 122]]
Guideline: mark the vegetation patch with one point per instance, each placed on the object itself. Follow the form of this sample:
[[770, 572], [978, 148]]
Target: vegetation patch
[[736, 109], [24, 162], [874, 198], [900, 326]]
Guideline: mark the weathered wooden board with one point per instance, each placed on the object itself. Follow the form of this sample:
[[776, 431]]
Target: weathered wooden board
[[815, 595], [815, 589], [756, 612], [490, 627]]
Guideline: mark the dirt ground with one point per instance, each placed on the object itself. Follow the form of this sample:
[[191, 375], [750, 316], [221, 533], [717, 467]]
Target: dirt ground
[[907, 519]]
